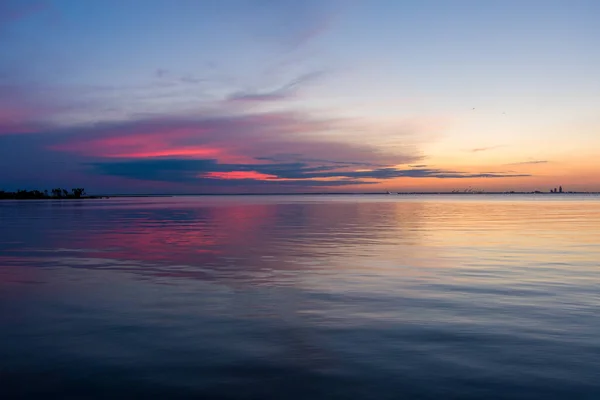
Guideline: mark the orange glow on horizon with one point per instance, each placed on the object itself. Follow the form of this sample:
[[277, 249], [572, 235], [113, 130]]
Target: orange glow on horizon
[[239, 175]]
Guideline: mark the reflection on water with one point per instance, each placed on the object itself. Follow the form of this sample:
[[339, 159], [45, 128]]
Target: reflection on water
[[301, 297]]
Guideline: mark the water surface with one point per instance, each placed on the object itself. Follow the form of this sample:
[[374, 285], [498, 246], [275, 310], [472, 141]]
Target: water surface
[[320, 297]]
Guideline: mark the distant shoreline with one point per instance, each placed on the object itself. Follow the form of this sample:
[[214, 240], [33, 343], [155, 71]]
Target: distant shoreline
[[98, 197], [57, 198], [346, 194]]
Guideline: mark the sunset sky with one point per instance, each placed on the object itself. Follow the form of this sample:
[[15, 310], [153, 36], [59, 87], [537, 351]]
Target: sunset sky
[[210, 96]]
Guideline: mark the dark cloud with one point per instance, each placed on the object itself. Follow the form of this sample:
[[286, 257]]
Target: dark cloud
[[194, 171], [197, 171]]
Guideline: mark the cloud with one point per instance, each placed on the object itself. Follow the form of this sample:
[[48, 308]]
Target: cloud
[[27, 107], [297, 148], [300, 158], [225, 145], [479, 149], [283, 92], [207, 171], [216, 151], [161, 72], [529, 162], [190, 79], [274, 95], [292, 23], [225, 137], [211, 173], [141, 132]]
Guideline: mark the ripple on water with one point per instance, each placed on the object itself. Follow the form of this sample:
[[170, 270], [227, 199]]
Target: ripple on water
[[301, 297]]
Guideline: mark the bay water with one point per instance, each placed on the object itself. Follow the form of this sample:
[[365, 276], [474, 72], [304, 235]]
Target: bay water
[[301, 297]]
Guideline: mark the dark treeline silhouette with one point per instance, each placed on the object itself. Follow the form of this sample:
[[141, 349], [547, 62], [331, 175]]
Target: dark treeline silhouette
[[57, 193]]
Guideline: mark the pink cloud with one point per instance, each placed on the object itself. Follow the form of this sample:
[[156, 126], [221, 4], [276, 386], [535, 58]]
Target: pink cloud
[[139, 145], [238, 138]]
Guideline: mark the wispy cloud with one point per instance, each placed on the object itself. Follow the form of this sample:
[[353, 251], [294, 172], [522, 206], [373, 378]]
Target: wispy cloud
[[293, 23], [480, 149], [299, 158], [529, 162], [273, 95], [167, 75], [190, 79], [280, 93]]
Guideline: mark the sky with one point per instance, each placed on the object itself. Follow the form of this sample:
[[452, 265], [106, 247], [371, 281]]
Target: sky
[[278, 96]]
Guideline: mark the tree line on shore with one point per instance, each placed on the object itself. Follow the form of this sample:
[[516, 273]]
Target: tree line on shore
[[57, 193]]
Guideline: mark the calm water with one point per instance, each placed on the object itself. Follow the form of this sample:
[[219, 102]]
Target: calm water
[[289, 297]]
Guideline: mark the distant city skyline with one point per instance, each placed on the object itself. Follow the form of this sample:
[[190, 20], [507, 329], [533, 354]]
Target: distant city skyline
[[158, 96]]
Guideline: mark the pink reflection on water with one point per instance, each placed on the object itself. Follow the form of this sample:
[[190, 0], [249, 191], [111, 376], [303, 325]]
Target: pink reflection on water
[[199, 236]]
